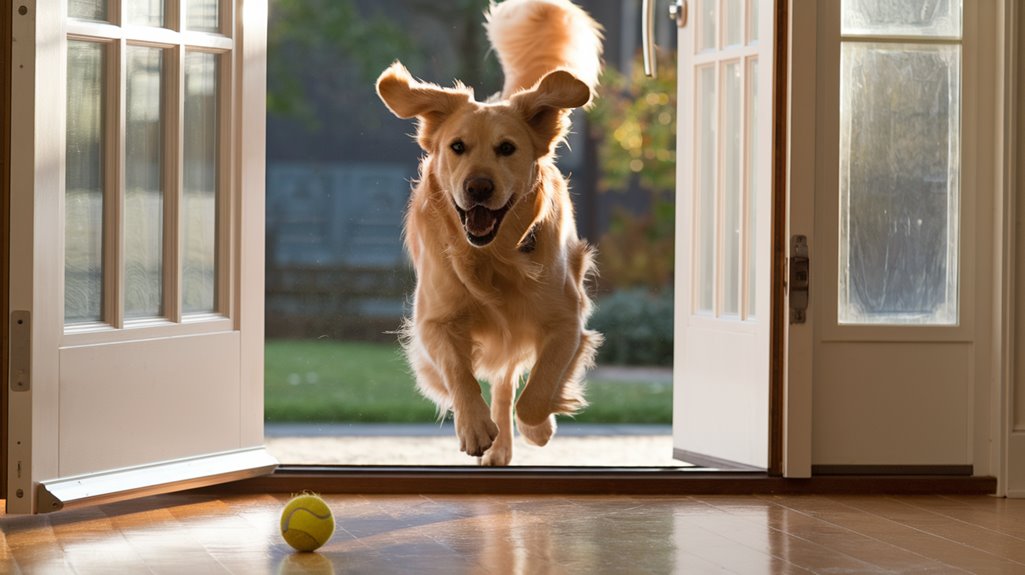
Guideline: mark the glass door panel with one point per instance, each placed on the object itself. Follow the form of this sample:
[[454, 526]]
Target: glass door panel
[[144, 183], [88, 9], [145, 12], [899, 152], [200, 184], [202, 15], [85, 182]]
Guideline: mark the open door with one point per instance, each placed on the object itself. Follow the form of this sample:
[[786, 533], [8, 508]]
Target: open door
[[136, 295], [723, 234]]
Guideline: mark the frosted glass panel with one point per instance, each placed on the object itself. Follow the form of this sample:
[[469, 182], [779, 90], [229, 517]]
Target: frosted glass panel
[[708, 25], [753, 189], [84, 183], [144, 187], [202, 15], [200, 189], [706, 167], [145, 12], [88, 9], [732, 172], [902, 17], [899, 183]]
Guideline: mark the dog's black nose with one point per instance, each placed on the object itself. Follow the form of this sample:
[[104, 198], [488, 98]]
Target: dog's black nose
[[479, 189]]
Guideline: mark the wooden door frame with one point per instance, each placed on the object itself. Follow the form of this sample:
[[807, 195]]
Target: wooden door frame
[[779, 321], [5, 243]]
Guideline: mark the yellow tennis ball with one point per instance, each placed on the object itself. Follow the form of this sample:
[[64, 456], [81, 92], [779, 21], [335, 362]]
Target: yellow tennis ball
[[307, 522]]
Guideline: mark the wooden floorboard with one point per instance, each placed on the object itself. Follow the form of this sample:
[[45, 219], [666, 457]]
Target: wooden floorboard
[[202, 533]]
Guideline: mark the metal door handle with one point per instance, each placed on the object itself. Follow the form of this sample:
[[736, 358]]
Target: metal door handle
[[677, 13], [800, 278], [648, 37]]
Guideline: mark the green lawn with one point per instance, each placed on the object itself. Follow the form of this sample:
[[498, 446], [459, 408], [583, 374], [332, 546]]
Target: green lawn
[[331, 381]]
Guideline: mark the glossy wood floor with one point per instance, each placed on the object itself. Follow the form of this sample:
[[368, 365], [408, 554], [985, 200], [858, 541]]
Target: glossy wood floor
[[200, 534]]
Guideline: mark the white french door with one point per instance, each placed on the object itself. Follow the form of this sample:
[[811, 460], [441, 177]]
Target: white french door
[[893, 106], [723, 234], [137, 248]]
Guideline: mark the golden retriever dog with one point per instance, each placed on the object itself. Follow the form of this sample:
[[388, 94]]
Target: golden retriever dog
[[500, 270]]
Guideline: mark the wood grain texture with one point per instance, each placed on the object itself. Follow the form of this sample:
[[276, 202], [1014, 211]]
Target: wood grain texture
[[206, 533]]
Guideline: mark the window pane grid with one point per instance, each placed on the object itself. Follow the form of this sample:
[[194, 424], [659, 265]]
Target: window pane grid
[[138, 259]]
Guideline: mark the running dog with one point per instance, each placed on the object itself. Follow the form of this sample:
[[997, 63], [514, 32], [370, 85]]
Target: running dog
[[500, 270]]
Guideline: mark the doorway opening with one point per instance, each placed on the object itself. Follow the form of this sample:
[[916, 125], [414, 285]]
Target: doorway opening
[[337, 389]]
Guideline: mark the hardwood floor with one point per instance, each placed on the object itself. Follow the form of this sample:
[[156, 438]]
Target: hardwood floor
[[199, 533]]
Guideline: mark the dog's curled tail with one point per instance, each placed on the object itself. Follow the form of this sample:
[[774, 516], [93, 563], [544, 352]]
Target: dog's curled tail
[[534, 37]]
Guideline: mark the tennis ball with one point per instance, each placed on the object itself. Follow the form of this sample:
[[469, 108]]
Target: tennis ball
[[307, 522]]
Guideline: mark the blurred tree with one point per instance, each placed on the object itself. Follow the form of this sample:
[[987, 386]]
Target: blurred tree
[[331, 37], [634, 124], [317, 47]]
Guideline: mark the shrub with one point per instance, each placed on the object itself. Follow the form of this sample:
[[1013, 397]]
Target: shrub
[[638, 327]]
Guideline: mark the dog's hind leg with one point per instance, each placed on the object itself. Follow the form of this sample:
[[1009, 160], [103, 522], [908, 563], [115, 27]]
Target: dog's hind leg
[[502, 392]]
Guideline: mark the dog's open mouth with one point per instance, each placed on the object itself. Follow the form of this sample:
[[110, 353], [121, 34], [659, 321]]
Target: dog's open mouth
[[481, 224]]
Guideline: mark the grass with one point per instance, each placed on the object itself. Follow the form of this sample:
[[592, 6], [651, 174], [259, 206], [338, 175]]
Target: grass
[[331, 381]]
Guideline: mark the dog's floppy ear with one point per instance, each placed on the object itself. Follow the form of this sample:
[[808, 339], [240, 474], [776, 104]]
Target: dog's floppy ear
[[546, 105], [410, 98]]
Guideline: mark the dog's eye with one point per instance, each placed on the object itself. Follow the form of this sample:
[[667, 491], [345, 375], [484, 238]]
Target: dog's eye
[[506, 149], [458, 147]]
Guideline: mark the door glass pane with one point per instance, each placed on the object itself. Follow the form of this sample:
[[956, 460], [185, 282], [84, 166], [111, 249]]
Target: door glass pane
[[706, 165], [734, 32], [144, 188], [902, 17], [752, 20], [732, 172], [88, 9], [200, 189], [899, 183], [707, 26], [203, 15], [753, 189], [145, 12], [84, 183]]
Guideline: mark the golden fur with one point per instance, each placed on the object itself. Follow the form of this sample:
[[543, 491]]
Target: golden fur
[[500, 270]]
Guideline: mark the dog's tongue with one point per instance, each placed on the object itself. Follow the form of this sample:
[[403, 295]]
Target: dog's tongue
[[480, 221]]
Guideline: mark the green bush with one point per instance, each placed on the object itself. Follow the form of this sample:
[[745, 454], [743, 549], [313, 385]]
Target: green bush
[[638, 327]]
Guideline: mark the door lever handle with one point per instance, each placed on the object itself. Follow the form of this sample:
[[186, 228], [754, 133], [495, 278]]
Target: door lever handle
[[800, 278], [648, 37]]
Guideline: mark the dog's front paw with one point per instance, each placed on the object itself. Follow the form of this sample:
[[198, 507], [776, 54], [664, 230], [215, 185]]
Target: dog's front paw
[[538, 435], [476, 431], [499, 455]]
